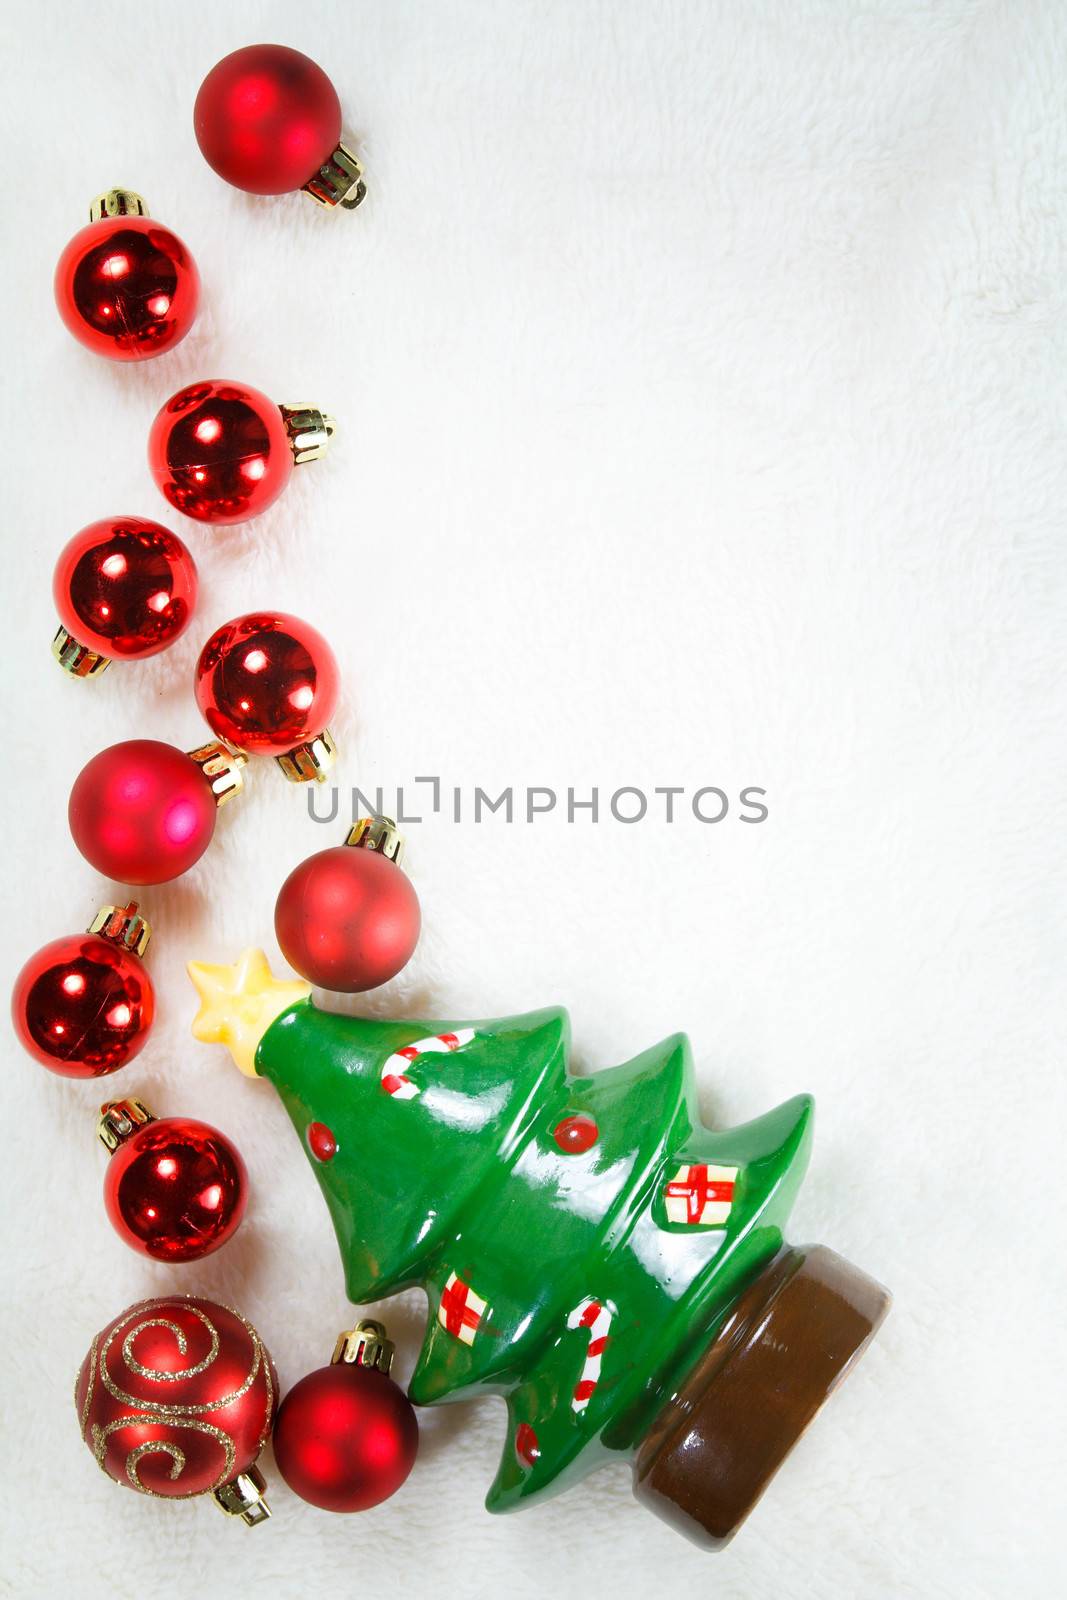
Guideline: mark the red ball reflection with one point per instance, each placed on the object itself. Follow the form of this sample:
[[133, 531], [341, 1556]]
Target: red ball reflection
[[175, 1189], [219, 451], [127, 288], [125, 586], [266, 682], [82, 1006]]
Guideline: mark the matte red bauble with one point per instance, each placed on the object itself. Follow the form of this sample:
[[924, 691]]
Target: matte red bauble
[[176, 1398], [125, 286], [268, 120], [346, 1436], [348, 918], [268, 683], [144, 811], [123, 587], [223, 452], [175, 1189], [83, 1005]]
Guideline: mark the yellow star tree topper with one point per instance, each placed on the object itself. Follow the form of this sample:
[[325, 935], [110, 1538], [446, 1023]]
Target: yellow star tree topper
[[238, 1003]]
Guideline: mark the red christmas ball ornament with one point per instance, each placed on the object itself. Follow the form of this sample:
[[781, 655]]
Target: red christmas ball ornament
[[268, 683], [268, 120], [175, 1189], [125, 286], [83, 1005], [348, 918], [346, 1436], [176, 1398], [223, 452], [144, 812], [125, 588]]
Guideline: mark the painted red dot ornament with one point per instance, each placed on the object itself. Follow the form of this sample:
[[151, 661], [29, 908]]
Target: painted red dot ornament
[[268, 120], [321, 1142], [526, 1446], [125, 286], [576, 1134]]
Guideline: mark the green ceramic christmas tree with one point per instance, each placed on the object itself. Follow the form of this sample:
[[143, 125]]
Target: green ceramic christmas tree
[[590, 1250]]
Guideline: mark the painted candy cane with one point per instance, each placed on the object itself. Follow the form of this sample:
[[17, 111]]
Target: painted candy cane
[[394, 1079], [596, 1317]]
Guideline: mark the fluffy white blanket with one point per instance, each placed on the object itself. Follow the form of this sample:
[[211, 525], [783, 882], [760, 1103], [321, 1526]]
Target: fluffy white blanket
[[700, 378]]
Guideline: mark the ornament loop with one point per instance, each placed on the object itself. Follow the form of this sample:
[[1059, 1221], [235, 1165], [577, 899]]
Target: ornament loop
[[365, 1345], [122, 925], [310, 431], [312, 759], [339, 181], [243, 1497], [117, 203], [119, 1119], [77, 659], [380, 834], [221, 766]]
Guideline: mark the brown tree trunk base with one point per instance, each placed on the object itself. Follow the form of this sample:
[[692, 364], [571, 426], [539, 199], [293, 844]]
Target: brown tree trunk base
[[789, 1340]]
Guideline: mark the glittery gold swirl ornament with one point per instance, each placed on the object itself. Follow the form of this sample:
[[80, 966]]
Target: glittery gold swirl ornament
[[176, 1398]]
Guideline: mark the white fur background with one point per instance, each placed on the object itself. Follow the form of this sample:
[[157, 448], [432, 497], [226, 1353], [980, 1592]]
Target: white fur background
[[700, 374]]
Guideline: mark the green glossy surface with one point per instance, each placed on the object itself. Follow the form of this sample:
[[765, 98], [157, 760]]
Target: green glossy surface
[[466, 1177]]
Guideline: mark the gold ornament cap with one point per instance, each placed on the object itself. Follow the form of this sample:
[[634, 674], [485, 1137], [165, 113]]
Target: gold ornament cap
[[312, 759], [78, 659], [117, 203], [310, 431], [124, 926], [243, 1497], [380, 834], [221, 767], [119, 1119], [338, 182], [365, 1345]]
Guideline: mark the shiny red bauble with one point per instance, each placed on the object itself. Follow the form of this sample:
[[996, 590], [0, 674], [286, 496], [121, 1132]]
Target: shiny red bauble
[[124, 587], [220, 451], [266, 682], [346, 1437], [347, 919], [83, 1005], [142, 812], [176, 1398], [175, 1189], [127, 288], [266, 118]]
